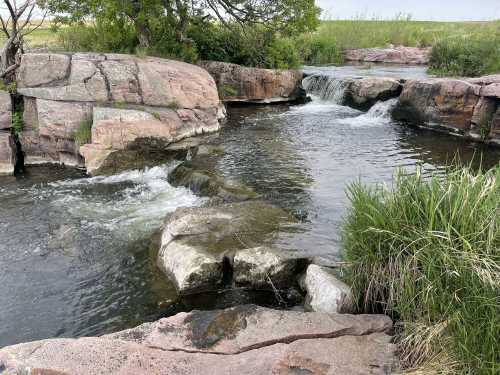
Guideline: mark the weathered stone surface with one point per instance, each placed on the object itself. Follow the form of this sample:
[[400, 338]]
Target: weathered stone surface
[[325, 293], [494, 136], [364, 92], [482, 118], [205, 182], [447, 103], [155, 102], [485, 80], [39, 69], [263, 267], [395, 55], [243, 340], [491, 90], [8, 156], [5, 110], [148, 128], [242, 84], [196, 240]]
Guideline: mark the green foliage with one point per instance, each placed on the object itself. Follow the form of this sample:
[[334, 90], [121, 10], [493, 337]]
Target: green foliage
[[17, 123], [83, 134], [11, 88], [427, 253], [468, 56]]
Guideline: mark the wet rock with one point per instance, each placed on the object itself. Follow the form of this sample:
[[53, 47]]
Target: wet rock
[[242, 340], [8, 153], [363, 93], [395, 55], [325, 293], [208, 183], [206, 235], [482, 118], [264, 267], [151, 102], [494, 136], [237, 83], [5, 110], [438, 103]]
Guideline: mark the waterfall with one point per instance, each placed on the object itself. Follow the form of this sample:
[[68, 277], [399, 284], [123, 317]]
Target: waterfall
[[382, 109], [326, 87]]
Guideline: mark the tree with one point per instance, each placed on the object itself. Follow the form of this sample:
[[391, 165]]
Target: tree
[[285, 16], [15, 27]]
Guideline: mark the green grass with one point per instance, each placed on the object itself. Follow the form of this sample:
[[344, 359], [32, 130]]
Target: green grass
[[83, 134], [427, 252]]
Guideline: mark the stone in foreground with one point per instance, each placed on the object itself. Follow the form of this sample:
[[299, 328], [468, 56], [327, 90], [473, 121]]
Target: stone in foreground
[[238, 83], [8, 154], [196, 240], [263, 267], [325, 293], [242, 340], [363, 93]]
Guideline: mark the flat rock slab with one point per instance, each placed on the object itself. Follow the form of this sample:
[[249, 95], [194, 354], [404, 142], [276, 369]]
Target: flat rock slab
[[242, 340], [394, 55]]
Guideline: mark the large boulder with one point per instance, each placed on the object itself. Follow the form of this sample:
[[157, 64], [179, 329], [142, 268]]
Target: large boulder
[[238, 83], [395, 55], [326, 293], [363, 93], [198, 244], [242, 340], [131, 100], [8, 154], [5, 110], [441, 103]]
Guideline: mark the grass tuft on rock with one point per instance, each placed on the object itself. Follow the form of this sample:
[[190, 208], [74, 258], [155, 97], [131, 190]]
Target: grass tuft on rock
[[83, 134], [427, 252]]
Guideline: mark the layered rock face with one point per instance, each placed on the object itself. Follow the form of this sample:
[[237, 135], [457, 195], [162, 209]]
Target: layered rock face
[[253, 85], [467, 107], [129, 102], [8, 150], [394, 55], [242, 340]]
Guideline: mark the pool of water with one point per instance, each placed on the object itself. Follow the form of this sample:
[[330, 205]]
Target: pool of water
[[77, 253]]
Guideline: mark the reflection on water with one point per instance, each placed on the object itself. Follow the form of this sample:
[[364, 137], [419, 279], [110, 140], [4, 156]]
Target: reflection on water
[[77, 255]]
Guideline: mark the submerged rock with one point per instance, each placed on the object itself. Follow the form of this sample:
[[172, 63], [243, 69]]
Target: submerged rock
[[238, 83], [126, 100], [196, 241], [395, 55], [325, 293], [207, 183], [8, 154], [242, 340]]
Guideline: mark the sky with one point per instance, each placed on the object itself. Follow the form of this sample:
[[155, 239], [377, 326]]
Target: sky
[[435, 10]]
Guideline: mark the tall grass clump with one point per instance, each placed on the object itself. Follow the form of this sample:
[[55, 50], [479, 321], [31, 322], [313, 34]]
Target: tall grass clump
[[426, 252]]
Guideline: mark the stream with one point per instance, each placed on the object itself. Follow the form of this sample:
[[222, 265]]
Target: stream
[[77, 253]]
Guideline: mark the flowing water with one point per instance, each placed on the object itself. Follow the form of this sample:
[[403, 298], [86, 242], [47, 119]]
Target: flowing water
[[77, 254]]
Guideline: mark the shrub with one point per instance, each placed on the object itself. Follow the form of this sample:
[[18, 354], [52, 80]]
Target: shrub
[[468, 56], [427, 253]]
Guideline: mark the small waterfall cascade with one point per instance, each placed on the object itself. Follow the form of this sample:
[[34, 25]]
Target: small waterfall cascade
[[383, 109], [326, 87]]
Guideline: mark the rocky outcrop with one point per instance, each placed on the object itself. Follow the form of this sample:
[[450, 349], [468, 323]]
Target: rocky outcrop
[[238, 83], [394, 55], [242, 340], [466, 107], [8, 154], [199, 244], [5, 110], [130, 103], [363, 93], [326, 293]]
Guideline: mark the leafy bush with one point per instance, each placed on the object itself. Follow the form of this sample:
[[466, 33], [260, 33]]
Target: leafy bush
[[467, 56], [427, 253]]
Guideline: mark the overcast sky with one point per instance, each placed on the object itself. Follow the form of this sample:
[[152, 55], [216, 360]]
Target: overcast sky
[[438, 10]]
